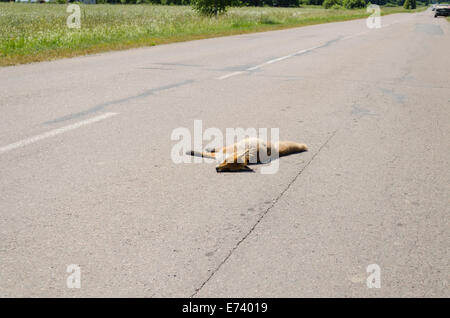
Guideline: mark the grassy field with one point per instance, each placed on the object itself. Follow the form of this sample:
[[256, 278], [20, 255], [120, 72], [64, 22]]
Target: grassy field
[[37, 32]]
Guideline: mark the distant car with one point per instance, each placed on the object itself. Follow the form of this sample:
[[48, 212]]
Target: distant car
[[442, 11]]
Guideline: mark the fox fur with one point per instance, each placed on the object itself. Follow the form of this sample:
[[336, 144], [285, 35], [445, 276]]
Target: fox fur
[[238, 156]]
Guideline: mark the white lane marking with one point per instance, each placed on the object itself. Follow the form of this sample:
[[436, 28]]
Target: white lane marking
[[275, 60], [229, 75], [255, 67], [54, 132], [354, 35], [293, 54], [307, 50]]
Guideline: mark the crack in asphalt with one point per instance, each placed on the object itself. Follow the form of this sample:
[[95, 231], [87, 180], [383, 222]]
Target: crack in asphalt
[[274, 202]]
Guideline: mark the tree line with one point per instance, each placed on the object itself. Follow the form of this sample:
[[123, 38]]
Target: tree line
[[258, 3]]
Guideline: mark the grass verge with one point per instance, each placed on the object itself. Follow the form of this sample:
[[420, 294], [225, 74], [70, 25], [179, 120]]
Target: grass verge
[[38, 32]]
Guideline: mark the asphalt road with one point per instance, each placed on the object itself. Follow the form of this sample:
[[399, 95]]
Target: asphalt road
[[87, 176]]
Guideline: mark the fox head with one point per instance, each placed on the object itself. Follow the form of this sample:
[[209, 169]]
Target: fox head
[[238, 163]]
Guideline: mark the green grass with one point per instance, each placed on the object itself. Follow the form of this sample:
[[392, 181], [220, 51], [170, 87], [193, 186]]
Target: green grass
[[37, 32]]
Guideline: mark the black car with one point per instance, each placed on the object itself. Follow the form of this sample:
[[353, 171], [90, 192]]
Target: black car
[[442, 11]]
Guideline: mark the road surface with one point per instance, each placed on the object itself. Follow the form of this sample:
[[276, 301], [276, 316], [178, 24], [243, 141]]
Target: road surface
[[87, 176]]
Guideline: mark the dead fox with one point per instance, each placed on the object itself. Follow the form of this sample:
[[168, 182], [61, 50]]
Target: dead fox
[[238, 156]]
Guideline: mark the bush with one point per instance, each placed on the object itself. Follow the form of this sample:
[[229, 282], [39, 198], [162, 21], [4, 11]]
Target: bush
[[329, 3], [353, 4], [270, 3], [336, 7], [409, 4], [311, 2], [210, 7], [286, 3]]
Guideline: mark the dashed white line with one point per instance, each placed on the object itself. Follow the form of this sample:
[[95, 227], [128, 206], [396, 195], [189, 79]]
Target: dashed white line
[[279, 59], [54, 132], [229, 75], [291, 55], [255, 67], [354, 35], [275, 60]]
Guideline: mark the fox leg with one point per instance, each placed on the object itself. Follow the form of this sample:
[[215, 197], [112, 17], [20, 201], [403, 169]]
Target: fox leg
[[203, 154], [211, 150], [234, 163], [219, 149], [227, 149], [231, 153]]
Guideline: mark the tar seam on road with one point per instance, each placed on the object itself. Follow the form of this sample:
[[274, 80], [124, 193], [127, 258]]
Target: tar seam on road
[[263, 214], [118, 101]]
